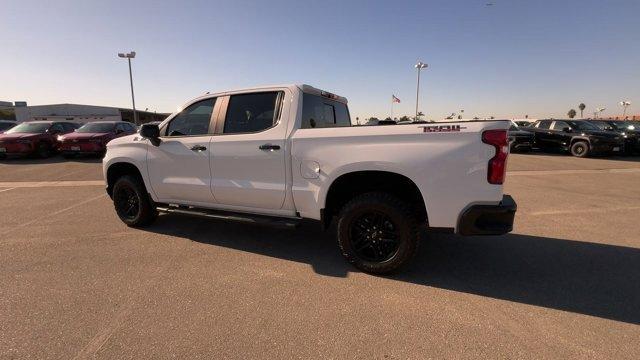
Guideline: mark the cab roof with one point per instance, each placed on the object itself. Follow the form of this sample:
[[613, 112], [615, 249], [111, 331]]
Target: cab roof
[[303, 87]]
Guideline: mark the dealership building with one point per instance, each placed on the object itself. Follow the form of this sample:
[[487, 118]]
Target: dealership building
[[78, 113]]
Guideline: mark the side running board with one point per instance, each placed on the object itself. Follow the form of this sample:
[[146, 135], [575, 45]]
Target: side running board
[[230, 216]]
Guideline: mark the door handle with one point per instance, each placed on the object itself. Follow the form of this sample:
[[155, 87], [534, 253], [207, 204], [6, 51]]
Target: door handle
[[269, 147], [198, 148]]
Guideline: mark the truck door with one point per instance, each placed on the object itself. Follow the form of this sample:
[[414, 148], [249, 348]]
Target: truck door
[[179, 165], [248, 151], [542, 133], [559, 138]]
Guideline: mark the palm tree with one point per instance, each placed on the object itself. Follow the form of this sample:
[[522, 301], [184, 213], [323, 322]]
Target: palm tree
[[571, 114], [581, 107]]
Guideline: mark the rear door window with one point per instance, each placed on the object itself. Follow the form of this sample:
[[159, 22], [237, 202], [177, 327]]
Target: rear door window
[[57, 127], [320, 112], [249, 113], [68, 127], [545, 124], [560, 125]]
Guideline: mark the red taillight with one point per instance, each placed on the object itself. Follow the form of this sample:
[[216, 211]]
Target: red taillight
[[498, 163]]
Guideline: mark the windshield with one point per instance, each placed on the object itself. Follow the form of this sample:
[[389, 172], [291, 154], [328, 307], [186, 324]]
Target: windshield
[[623, 125], [96, 128], [583, 125], [30, 128]]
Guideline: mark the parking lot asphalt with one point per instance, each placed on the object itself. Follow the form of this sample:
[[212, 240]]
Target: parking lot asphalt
[[77, 283]]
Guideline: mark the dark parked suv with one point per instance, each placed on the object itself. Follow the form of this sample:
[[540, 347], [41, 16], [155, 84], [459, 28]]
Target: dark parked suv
[[579, 137], [629, 131], [519, 140]]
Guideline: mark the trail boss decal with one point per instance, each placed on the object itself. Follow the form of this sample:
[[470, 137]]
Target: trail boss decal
[[441, 128]]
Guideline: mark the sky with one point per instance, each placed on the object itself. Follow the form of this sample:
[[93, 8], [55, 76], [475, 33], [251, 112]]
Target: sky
[[507, 60]]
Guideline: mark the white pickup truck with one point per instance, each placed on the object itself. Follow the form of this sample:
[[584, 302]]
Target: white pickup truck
[[280, 154]]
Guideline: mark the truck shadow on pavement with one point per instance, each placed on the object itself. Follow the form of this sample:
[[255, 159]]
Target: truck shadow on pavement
[[581, 277]]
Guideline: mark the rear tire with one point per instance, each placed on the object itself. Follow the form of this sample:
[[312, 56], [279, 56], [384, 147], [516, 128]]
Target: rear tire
[[580, 149], [132, 202], [378, 233], [43, 150]]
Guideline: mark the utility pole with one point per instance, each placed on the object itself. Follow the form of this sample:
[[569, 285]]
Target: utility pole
[[419, 65], [130, 56]]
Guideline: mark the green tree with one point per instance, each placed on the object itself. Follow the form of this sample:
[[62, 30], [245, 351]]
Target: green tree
[[581, 107], [404, 118], [571, 114]]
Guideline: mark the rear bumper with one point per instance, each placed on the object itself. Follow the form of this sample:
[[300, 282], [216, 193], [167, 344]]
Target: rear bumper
[[488, 219]]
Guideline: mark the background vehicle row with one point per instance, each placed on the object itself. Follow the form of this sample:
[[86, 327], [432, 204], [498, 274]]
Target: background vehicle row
[[44, 138], [581, 138]]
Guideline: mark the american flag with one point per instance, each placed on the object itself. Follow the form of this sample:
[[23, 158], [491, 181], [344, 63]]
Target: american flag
[[394, 99]]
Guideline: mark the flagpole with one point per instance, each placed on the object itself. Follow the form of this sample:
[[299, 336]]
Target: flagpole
[[392, 107]]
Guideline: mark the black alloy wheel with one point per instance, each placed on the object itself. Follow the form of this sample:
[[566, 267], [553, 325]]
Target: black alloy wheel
[[127, 203], [132, 202], [43, 150], [377, 232], [374, 237], [580, 149]]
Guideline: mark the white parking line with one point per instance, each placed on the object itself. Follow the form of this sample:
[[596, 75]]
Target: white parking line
[[37, 184], [584, 211], [3, 190], [53, 213], [568, 172]]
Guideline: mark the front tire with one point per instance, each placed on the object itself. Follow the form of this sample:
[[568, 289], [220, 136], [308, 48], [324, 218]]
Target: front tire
[[132, 203], [378, 233], [43, 150], [580, 149]]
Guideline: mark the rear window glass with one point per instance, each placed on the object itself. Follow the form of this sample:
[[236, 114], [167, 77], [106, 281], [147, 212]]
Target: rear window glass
[[320, 112], [544, 124], [96, 128]]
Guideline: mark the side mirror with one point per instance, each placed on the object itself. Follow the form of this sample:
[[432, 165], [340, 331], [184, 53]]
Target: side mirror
[[566, 129], [151, 132]]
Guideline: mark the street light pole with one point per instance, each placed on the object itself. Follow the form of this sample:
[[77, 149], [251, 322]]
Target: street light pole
[[419, 65], [130, 56]]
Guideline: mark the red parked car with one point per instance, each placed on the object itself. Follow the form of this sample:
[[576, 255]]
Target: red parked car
[[34, 138], [92, 138]]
